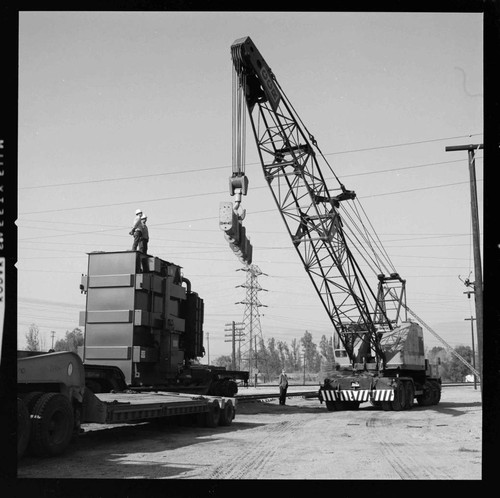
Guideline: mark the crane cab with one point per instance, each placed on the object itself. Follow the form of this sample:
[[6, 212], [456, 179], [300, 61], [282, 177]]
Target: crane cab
[[341, 358]]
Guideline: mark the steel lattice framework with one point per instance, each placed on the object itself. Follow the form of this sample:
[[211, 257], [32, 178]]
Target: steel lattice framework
[[253, 338], [312, 210]]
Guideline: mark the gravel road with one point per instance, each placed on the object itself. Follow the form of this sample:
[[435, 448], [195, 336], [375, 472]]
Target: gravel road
[[300, 440]]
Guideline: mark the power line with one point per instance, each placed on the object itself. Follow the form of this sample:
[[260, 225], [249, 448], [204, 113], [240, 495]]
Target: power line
[[153, 175], [170, 198], [403, 144], [415, 189], [103, 180], [219, 193], [401, 168]]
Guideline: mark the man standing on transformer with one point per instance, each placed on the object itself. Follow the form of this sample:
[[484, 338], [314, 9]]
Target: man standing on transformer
[[143, 244], [137, 228]]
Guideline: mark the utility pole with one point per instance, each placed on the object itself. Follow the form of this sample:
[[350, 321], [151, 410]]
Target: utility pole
[[53, 334], [478, 274], [256, 365], [304, 380], [473, 352], [208, 348], [233, 340], [236, 330]]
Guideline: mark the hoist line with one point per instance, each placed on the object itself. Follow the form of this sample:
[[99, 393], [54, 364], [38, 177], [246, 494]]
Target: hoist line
[[238, 126]]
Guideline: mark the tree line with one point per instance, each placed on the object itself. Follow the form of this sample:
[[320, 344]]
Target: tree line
[[70, 342], [451, 368], [305, 355], [301, 355]]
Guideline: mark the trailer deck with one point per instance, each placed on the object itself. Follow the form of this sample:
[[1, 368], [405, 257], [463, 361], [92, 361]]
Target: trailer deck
[[124, 407]]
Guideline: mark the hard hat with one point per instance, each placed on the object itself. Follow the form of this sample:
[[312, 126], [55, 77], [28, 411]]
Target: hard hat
[[138, 211], [144, 217]]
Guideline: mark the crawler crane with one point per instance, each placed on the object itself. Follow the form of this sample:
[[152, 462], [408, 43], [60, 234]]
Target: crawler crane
[[380, 353]]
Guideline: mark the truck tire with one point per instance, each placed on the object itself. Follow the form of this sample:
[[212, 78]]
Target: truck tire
[[52, 423], [436, 392], [352, 405], [213, 415], [23, 428], [410, 394], [399, 403], [386, 405], [94, 386], [339, 406], [330, 406], [427, 397], [227, 414], [30, 399]]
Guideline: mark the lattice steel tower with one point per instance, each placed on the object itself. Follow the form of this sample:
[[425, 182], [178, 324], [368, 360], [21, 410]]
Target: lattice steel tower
[[253, 339]]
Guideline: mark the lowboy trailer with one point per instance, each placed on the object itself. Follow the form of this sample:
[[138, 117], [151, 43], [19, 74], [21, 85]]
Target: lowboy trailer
[[53, 402]]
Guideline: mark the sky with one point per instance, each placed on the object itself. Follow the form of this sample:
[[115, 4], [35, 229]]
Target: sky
[[127, 110]]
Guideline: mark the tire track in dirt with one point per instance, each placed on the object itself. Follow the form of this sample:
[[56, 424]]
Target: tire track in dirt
[[266, 446], [406, 458]]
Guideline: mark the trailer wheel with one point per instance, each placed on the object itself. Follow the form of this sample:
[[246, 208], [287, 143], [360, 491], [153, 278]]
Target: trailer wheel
[[23, 428], [213, 415], [216, 388], [227, 414], [51, 425], [231, 388]]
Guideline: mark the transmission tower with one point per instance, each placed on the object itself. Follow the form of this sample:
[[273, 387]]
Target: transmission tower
[[251, 319]]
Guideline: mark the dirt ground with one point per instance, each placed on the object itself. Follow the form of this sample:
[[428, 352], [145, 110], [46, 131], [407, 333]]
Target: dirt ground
[[300, 440]]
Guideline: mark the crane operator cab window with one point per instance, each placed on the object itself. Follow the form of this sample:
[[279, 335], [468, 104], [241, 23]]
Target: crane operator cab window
[[341, 357]]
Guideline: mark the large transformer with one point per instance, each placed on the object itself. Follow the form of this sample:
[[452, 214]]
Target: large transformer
[[144, 327]]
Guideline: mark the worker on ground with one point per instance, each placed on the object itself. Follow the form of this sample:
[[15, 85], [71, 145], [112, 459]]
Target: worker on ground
[[283, 385], [143, 244], [136, 231]]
